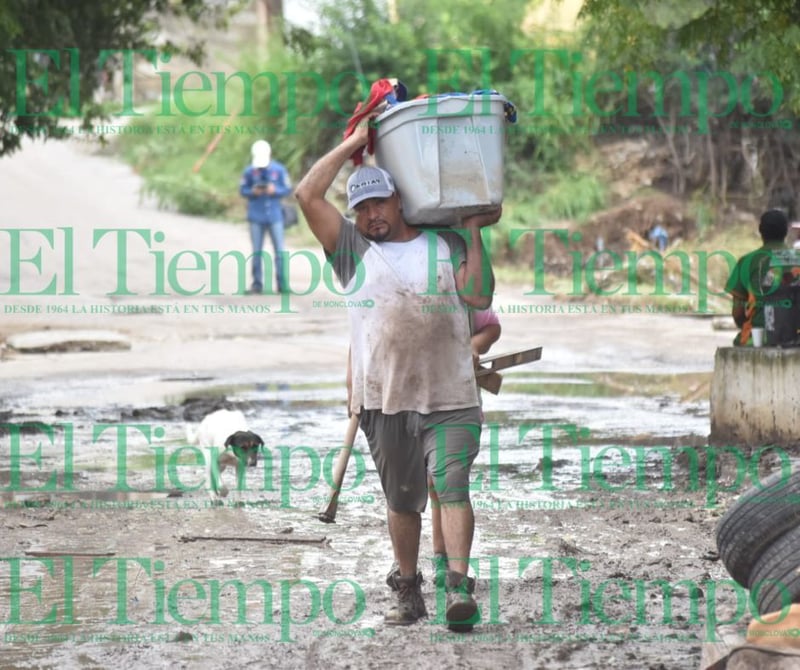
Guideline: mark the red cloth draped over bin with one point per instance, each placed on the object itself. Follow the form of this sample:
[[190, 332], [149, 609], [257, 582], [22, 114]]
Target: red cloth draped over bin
[[390, 90]]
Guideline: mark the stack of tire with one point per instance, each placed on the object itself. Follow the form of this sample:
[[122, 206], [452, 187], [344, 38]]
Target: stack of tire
[[758, 539]]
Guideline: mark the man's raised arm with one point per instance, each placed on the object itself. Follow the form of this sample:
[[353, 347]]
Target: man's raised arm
[[322, 216]]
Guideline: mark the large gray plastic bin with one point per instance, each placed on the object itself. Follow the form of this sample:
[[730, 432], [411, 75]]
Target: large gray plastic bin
[[445, 154]]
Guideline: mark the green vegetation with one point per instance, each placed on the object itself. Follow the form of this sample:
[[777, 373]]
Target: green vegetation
[[570, 196], [567, 87], [427, 53], [82, 39], [689, 80], [720, 82]]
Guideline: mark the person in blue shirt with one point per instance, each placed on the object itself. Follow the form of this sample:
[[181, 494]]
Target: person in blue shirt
[[659, 236], [264, 183]]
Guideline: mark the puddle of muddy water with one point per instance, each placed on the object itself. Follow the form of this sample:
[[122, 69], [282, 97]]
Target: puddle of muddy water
[[540, 432], [542, 438], [547, 425]]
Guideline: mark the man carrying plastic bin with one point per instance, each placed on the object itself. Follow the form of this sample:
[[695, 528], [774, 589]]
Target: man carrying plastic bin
[[413, 383]]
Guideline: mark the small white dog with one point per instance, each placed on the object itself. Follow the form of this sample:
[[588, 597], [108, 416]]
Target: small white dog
[[225, 433]]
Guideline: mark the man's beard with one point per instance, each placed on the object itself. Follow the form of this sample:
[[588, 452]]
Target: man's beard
[[379, 236]]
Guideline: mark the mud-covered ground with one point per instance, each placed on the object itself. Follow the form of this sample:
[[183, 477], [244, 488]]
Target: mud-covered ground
[[581, 559], [594, 507]]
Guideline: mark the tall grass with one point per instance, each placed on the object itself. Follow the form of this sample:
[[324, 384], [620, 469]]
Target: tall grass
[[564, 197]]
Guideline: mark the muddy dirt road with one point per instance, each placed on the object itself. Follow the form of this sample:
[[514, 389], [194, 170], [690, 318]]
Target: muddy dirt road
[[590, 551]]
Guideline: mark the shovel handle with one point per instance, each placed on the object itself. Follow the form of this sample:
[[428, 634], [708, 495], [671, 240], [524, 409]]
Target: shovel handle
[[328, 512]]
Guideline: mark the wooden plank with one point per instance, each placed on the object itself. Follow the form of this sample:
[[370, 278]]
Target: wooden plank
[[489, 381], [509, 360], [756, 657], [488, 377], [714, 654]]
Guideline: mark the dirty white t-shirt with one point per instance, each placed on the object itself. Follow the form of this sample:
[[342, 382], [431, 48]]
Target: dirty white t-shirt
[[410, 341]]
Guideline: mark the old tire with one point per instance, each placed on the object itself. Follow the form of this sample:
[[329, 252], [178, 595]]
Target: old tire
[[775, 578], [755, 520]]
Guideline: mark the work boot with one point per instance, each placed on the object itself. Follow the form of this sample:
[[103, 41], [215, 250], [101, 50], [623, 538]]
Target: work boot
[[410, 605], [394, 573], [439, 567], [462, 610]]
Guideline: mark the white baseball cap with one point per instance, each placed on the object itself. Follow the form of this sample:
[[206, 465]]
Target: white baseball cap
[[262, 153], [369, 182]]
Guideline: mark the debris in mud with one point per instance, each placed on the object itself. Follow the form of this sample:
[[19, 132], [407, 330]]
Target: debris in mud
[[192, 409], [269, 539], [196, 408], [25, 427], [66, 341], [191, 378], [52, 553], [154, 413], [617, 230], [547, 464], [568, 548]]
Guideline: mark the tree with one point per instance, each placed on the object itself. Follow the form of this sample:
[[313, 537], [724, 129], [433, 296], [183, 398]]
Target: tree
[[56, 52], [449, 45], [736, 96], [306, 86]]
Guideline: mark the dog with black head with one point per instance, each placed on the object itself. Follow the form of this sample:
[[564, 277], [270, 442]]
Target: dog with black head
[[230, 443]]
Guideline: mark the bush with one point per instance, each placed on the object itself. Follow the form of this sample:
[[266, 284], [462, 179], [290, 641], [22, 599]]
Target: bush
[[189, 194], [571, 196]]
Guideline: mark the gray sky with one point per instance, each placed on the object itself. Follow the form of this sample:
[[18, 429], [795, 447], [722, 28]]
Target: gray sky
[[301, 12]]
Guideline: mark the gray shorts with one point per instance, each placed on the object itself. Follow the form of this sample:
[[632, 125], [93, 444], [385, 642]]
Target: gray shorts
[[408, 446]]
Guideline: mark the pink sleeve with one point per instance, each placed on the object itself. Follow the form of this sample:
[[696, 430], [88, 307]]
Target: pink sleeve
[[482, 318]]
